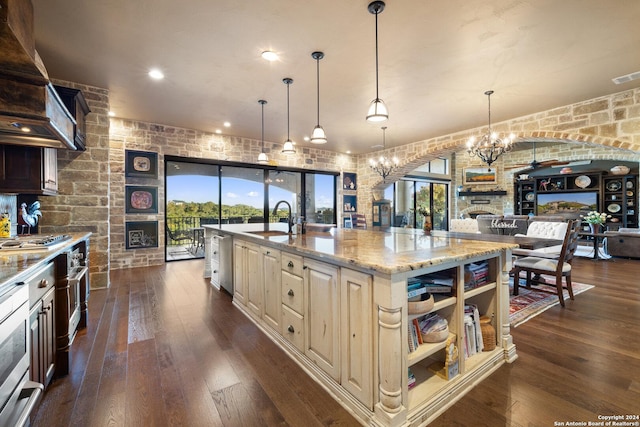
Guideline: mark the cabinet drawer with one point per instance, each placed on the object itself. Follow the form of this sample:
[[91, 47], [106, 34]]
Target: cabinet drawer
[[215, 272], [292, 263], [292, 291], [40, 282], [215, 248], [292, 327]]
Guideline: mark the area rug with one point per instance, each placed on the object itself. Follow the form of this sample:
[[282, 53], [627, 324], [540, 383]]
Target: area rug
[[530, 303]]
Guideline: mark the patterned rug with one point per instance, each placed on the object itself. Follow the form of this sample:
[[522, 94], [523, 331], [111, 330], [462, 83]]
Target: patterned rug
[[530, 303]]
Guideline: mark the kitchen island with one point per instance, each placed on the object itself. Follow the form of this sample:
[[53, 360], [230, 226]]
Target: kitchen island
[[337, 303]]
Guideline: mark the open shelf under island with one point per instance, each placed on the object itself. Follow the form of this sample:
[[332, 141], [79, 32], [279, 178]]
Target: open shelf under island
[[337, 304]]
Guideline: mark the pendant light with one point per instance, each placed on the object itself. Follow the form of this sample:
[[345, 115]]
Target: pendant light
[[288, 148], [489, 146], [262, 157], [377, 110], [318, 136]]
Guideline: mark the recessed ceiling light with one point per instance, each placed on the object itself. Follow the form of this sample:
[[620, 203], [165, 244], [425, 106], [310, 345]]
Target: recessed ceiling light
[[306, 138], [218, 131], [112, 114], [156, 74], [348, 151], [269, 55], [227, 124]]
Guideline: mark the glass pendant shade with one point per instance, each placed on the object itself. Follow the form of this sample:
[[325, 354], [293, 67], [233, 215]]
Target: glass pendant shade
[[377, 111], [262, 158], [287, 148], [318, 136]]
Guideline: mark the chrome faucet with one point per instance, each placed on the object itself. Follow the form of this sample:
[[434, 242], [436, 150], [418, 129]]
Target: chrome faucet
[[289, 219]]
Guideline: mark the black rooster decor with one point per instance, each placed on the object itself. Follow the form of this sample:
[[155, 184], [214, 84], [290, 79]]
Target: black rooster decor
[[30, 215]]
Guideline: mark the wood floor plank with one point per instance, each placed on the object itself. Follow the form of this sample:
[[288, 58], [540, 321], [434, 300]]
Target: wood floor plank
[[197, 361]]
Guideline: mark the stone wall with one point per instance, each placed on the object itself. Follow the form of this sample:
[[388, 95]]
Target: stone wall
[[167, 140], [92, 182], [607, 127], [82, 203]]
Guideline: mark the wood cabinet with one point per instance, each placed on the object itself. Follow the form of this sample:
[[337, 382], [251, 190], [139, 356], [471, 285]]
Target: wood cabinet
[[247, 276], [42, 325], [239, 272], [272, 277], [28, 170], [77, 106], [322, 316], [356, 334], [567, 194]]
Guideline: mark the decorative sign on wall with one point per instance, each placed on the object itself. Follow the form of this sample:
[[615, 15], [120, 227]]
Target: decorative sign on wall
[[141, 164], [141, 234]]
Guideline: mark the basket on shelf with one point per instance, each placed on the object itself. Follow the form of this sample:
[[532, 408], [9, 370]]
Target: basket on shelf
[[488, 333]]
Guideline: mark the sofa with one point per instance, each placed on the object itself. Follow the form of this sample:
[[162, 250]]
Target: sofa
[[625, 242], [466, 225]]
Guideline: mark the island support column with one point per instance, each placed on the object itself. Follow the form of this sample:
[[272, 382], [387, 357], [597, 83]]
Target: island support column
[[391, 363], [507, 340]]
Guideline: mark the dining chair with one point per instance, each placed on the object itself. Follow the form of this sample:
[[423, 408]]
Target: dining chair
[[358, 221], [558, 267]]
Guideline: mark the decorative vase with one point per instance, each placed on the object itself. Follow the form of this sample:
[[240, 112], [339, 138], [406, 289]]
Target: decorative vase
[[488, 333], [427, 226], [595, 228]]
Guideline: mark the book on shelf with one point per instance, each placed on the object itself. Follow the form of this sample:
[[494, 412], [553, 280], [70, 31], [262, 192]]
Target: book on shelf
[[475, 275], [415, 290], [416, 327], [473, 342], [412, 380]]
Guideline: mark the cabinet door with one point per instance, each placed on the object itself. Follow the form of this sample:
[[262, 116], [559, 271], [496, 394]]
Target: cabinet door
[[272, 276], [239, 273], [28, 170], [48, 330], [35, 367], [50, 170], [322, 340], [253, 259], [356, 334]]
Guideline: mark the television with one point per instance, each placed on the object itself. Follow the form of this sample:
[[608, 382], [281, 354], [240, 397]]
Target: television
[[567, 205]]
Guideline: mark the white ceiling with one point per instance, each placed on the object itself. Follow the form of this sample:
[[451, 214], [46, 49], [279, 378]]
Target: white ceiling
[[437, 58]]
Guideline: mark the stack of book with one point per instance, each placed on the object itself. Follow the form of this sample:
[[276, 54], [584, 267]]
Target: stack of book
[[415, 337], [473, 342], [432, 283], [475, 275], [412, 380]]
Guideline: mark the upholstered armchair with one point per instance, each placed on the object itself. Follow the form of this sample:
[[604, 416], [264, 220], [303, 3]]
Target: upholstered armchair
[[466, 225]]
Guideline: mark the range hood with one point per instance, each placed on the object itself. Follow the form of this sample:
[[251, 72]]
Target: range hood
[[31, 112]]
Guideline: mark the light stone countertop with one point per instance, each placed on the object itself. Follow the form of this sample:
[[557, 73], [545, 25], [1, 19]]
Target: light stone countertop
[[15, 264], [389, 251]]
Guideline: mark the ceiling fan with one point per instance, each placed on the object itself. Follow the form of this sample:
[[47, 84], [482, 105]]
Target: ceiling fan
[[534, 164]]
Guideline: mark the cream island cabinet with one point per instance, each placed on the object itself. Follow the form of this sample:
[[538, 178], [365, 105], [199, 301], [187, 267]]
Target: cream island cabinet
[[337, 303]]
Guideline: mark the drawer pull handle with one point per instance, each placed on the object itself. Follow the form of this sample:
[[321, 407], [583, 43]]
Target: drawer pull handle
[[268, 252], [215, 252], [290, 293], [290, 265], [43, 283], [290, 329], [215, 271]]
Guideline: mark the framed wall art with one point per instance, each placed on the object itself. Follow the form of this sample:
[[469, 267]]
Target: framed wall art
[[141, 164], [481, 175], [141, 234], [141, 199]]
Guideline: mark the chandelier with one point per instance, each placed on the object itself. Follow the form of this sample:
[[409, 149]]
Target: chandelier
[[489, 147], [383, 166]]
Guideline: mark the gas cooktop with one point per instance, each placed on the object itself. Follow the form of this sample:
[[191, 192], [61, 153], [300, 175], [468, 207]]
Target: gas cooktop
[[35, 242]]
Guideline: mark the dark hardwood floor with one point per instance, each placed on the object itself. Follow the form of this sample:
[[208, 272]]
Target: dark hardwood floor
[[165, 349]]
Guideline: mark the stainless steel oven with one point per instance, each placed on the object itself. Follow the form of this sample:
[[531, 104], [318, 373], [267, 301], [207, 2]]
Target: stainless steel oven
[[18, 395]]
